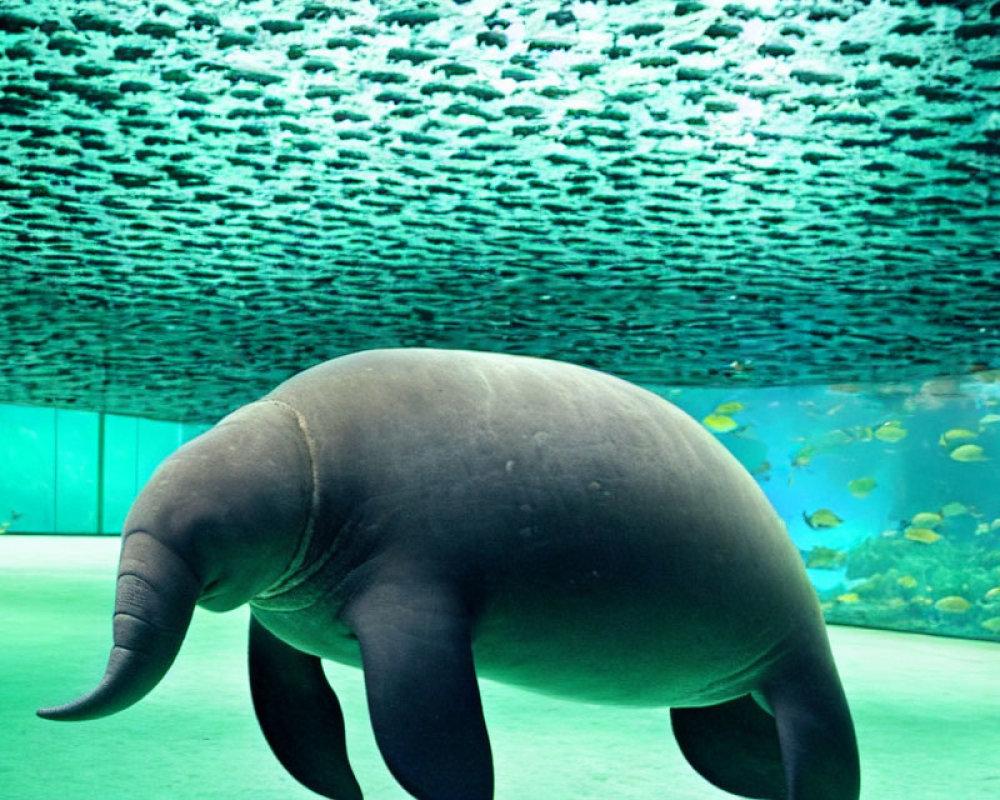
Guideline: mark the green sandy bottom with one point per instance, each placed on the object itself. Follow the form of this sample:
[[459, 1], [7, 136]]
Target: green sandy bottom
[[927, 711]]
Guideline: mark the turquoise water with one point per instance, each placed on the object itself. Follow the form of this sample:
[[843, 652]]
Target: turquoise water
[[779, 215]]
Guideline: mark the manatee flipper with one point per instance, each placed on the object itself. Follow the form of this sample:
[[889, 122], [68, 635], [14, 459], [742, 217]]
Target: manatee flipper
[[423, 697], [817, 738], [300, 715], [734, 746], [805, 751]]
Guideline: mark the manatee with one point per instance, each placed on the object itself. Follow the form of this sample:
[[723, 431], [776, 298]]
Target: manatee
[[434, 515]]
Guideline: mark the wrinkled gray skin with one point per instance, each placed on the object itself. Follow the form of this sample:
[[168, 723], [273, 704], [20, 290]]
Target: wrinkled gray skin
[[428, 515]]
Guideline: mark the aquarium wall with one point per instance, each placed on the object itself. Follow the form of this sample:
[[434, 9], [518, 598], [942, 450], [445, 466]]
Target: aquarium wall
[[76, 472], [889, 491]]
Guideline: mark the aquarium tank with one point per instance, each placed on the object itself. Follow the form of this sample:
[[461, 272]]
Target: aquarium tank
[[781, 215]]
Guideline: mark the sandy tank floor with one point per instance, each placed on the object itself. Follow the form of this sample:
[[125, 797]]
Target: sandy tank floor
[[927, 711]]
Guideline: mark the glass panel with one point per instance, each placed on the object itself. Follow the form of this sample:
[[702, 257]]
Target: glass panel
[[50, 460], [121, 435], [156, 440], [27, 469], [76, 471]]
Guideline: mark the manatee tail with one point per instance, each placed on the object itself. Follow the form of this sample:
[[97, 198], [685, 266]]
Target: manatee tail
[[154, 600], [805, 751]]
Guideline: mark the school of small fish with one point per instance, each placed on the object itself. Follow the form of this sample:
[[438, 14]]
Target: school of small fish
[[687, 192]]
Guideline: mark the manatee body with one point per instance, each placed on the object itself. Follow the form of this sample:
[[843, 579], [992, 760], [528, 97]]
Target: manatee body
[[428, 515]]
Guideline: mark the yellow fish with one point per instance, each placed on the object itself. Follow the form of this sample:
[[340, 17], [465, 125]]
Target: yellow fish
[[989, 419], [803, 456], [732, 407], [953, 604], [926, 519], [861, 487], [720, 423], [907, 582], [968, 453], [994, 592], [850, 597], [953, 509], [891, 432], [824, 518], [825, 558], [863, 433], [925, 535], [992, 624], [954, 435]]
